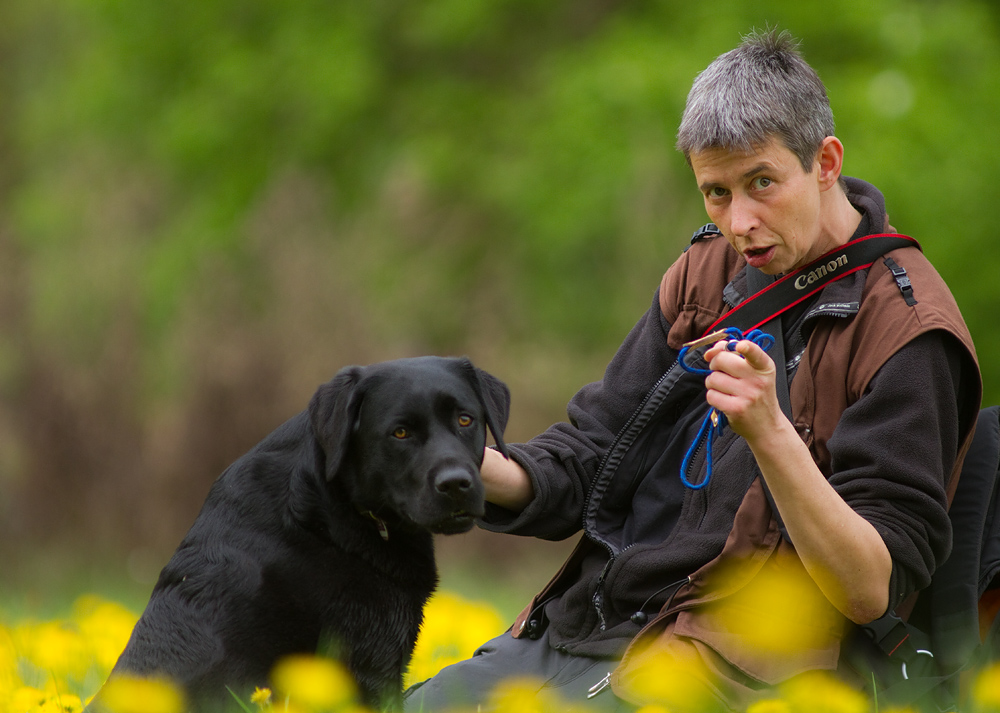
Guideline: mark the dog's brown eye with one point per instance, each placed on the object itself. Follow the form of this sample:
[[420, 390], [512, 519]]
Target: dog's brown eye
[[401, 433], [465, 420]]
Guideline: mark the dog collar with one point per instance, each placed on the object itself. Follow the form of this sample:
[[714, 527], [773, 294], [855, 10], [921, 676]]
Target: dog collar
[[383, 530]]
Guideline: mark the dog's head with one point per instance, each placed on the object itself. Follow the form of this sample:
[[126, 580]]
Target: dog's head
[[405, 439]]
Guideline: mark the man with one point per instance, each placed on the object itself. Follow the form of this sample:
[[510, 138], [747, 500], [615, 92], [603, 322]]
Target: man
[[883, 388]]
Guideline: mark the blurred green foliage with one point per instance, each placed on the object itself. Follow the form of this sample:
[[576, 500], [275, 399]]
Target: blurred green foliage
[[493, 177]]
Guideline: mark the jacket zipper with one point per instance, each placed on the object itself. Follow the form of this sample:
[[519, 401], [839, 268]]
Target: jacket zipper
[[621, 434], [598, 598]]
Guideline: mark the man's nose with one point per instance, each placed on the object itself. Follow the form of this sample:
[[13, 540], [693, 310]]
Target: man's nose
[[742, 215]]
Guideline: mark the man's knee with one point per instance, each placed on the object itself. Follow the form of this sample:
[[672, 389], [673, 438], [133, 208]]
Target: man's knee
[[463, 683]]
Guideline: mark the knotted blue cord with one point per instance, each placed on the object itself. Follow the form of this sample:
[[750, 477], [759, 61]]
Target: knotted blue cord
[[715, 421]]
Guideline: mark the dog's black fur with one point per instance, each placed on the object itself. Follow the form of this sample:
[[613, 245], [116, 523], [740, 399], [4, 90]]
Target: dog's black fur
[[320, 538]]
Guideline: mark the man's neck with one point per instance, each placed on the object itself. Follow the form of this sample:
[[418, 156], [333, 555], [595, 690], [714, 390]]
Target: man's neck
[[842, 218]]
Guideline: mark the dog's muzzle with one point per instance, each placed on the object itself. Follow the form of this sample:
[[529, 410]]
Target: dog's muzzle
[[458, 495]]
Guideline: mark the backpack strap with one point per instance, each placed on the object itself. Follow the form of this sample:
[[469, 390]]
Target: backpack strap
[[902, 280]]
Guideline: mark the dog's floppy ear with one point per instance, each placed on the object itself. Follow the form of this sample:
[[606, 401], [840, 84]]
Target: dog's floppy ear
[[495, 397], [333, 411]]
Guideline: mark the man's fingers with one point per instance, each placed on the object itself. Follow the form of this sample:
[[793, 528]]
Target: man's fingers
[[755, 356]]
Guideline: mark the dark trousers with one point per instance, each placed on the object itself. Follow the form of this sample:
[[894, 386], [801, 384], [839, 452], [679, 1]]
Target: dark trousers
[[470, 684]]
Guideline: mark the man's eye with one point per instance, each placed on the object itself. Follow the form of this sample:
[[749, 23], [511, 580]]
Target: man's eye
[[401, 433], [762, 182], [465, 420], [717, 192]]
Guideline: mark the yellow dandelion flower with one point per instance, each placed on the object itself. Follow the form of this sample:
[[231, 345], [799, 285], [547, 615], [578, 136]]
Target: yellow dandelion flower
[[779, 612], [986, 691], [9, 679], [261, 696], [524, 695], [105, 627], [453, 629], [313, 682], [126, 694], [54, 647], [59, 703], [818, 692], [26, 698], [671, 676]]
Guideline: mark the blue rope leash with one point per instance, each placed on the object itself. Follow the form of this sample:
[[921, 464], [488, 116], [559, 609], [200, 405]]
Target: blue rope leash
[[715, 421]]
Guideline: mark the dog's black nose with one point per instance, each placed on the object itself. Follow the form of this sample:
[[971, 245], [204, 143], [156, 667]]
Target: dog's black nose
[[453, 482]]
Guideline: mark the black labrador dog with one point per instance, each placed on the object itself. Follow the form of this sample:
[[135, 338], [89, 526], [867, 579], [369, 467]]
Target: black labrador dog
[[320, 538]]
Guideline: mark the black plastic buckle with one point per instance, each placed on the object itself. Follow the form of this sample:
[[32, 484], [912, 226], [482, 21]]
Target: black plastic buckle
[[902, 280], [708, 229]]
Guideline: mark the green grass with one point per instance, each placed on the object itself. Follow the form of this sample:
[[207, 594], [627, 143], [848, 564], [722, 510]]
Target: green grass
[[43, 584]]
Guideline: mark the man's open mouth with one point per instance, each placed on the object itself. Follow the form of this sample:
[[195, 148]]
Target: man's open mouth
[[758, 257]]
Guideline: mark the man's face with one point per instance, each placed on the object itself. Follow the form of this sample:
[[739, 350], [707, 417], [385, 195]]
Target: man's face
[[765, 204]]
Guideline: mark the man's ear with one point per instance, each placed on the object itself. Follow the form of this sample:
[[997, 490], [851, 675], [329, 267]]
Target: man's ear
[[830, 158], [495, 398], [333, 411]]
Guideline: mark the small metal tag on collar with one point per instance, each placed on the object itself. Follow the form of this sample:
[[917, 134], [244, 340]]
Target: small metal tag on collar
[[383, 530]]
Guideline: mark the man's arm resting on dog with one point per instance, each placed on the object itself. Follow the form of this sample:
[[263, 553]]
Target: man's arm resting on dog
[[507, 484]]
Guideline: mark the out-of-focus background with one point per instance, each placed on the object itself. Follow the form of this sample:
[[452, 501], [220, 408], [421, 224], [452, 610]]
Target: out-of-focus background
[[207, 208]]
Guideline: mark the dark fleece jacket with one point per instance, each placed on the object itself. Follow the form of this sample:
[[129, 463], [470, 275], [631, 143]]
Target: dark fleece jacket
[[644, 531]]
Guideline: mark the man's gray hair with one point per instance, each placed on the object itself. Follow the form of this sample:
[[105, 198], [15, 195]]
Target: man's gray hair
[[761, 90]]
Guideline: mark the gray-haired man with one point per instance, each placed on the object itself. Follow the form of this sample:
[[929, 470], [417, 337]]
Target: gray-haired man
[[859, 482]]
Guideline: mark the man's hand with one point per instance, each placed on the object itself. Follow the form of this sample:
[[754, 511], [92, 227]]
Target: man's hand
[[842, 551], [742, 386]]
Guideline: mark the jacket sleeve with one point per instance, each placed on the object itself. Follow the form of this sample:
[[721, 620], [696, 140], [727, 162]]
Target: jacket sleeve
[[563, 461], [892, 453]]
